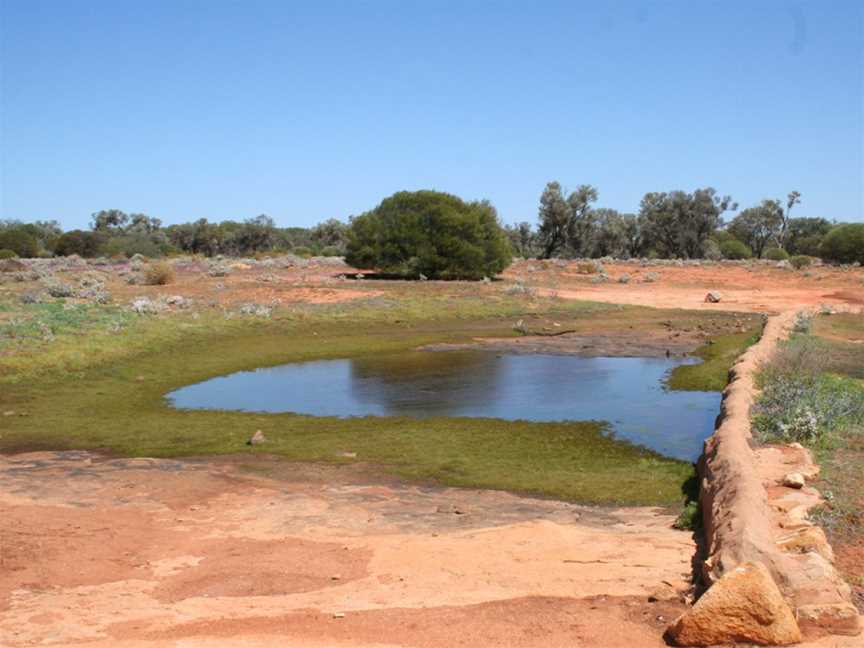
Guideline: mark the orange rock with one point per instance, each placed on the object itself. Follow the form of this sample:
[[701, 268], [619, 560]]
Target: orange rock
[[743, 606]]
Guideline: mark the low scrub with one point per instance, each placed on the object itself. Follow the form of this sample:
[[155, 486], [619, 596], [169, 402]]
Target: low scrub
[[801, 401], [735, 250], [801, 261], [776, 254], [159, 274]]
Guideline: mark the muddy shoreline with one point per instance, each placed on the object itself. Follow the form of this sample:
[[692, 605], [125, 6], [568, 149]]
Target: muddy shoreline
[[612, 345]]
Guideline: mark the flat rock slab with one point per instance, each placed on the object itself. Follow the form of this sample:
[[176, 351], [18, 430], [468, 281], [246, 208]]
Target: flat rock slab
[[151, 552]]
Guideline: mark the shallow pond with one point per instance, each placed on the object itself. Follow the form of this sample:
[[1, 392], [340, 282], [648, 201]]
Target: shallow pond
[[626, 392]]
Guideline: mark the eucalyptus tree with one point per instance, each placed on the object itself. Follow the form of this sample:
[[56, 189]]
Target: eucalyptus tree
[[582, 225], [554, 216], [758, 226], [678, 224]]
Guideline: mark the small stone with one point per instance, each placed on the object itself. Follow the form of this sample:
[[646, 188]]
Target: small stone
[[794, 480], [713, 297], [9, 413], [257, 438], [336, 577], [338, 615]]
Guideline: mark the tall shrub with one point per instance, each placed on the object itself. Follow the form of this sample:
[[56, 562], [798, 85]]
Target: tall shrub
[[844, 244], [431, 233]]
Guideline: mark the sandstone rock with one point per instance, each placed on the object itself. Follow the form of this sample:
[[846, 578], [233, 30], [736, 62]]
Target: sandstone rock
[[257, 438], [713, 297], [743, 606], [837, 618], [794, 480]]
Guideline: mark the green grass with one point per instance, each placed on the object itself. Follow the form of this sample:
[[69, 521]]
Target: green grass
[[99, 382], [118, 407], [712, 373]]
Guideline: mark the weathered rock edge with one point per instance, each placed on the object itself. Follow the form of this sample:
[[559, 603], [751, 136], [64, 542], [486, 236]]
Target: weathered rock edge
[[740, 525]]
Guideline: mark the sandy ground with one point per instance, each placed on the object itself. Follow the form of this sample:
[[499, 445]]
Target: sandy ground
[[110, 552], [757, 288]]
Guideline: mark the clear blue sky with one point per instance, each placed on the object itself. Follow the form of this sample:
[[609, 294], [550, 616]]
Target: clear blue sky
[[306, 111]]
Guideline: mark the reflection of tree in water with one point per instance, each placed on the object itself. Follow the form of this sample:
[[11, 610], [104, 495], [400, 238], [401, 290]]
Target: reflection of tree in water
[[426, 382]]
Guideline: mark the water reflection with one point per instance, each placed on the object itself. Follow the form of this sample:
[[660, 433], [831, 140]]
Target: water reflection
[[627, 392]]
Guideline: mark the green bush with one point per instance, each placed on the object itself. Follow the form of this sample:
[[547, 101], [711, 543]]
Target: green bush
[[302, 251], [690, 519], [800, 261], [735, 249], [844, 244], [131, 245], [808, 246], [331, 251], [430, 233], [776, 254], [8, 254], [85, 244], [19, 241]]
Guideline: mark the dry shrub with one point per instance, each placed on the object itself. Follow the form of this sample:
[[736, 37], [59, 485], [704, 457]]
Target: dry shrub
[[159, 274]]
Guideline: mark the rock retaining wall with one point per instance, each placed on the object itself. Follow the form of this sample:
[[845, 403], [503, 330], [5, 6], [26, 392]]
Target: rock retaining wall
[[751, 518]]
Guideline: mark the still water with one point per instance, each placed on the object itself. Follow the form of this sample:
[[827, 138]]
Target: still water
[[628, 393]]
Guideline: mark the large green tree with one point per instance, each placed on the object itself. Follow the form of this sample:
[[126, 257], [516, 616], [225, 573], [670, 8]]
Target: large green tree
[[429, 233]]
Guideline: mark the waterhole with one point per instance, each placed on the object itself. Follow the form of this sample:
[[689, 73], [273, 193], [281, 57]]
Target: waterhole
[[627, 393]]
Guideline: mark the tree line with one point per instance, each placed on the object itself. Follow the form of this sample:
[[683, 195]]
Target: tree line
[[673, 224], [436, 234], [115, 233]]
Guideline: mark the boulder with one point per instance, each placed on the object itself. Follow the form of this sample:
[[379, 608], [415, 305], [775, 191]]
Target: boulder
[[744, 606], [794, 480], [257, 438]]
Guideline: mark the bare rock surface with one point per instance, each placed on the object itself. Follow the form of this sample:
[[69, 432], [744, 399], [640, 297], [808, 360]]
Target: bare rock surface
[[149, 553]]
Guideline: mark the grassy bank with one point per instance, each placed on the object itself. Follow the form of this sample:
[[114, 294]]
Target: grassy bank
[[99, 382], [712, 373]]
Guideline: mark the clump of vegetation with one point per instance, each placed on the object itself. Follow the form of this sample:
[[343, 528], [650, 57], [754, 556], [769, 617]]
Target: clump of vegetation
[[802, 324], [776, 254], [217, 269], [800, 400], [159, 274], [844, 244], [801, 261], [430, 233], [302, 251], [690, 519], [520, 289], [712, 373], [19, 241], [589, 267], [7, 254], [735, 250], [82, 243]]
